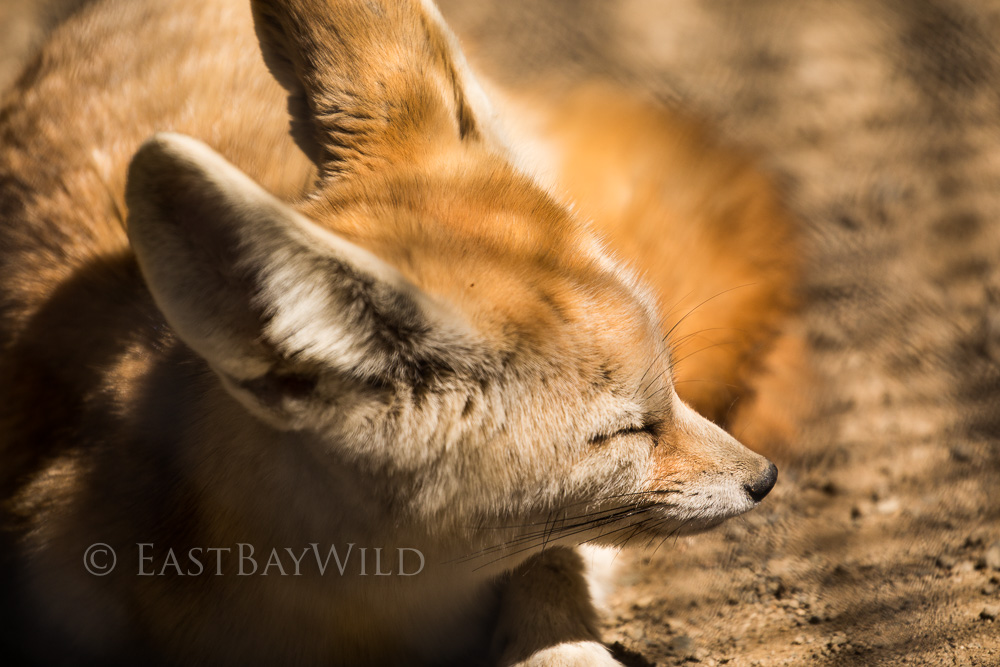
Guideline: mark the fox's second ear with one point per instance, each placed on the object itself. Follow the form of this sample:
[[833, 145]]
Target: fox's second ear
[[370, 81], [262, 293]]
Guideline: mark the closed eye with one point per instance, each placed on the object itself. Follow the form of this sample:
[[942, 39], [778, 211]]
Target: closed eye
[[649, 429]]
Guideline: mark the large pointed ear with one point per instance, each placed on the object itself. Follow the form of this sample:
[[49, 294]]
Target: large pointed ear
[[274, 303], [370, 80]]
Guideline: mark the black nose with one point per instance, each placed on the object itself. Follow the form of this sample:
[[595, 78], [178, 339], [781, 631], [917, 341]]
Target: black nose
[[761, 486]]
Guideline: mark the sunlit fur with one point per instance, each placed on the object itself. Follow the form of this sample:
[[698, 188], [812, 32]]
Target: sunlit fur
[[326, 296]]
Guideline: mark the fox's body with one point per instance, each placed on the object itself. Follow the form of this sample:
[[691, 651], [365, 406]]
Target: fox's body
[[426, 349]]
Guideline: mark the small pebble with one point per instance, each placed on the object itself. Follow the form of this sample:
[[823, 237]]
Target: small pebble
[[964, 566], [888, 506], [991, 558]]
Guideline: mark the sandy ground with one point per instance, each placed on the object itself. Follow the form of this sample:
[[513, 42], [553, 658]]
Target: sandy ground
[[881, 542]]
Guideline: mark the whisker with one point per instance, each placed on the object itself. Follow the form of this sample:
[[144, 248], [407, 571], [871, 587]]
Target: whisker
[[702, 349], [612, 515], [677, 343], [561, 527], [608, 534], [742, 431], [638, 528], [729, 410], [674, 533], [595, 501], [585, 528], [660, 324], [641, 388], [719, 382], [688, 314]]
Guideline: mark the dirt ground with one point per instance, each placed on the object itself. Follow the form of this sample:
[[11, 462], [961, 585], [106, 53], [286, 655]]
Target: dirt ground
[[881, 543], [881, 119]]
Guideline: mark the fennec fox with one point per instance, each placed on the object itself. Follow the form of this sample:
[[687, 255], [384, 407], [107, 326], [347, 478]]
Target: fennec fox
[[301, 363]]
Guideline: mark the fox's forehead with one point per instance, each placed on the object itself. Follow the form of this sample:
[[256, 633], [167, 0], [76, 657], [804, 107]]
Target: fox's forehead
[[521, 266]]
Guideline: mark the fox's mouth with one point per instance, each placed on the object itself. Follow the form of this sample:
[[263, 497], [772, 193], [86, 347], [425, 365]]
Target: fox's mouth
[[690, 517], [698, 507]]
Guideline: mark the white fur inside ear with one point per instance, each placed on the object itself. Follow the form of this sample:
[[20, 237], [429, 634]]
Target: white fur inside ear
[[203, 231]]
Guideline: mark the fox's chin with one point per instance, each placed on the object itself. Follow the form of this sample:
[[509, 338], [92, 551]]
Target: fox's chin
[[701, 526], [697, 524], [639, 535]]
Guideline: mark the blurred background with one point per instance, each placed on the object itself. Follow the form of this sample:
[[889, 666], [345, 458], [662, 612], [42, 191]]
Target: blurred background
[[880, 120]]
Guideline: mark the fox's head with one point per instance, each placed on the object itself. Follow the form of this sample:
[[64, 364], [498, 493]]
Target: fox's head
[[429, 317]]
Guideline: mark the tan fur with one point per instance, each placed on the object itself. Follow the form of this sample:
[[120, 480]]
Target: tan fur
[[369, 324]]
